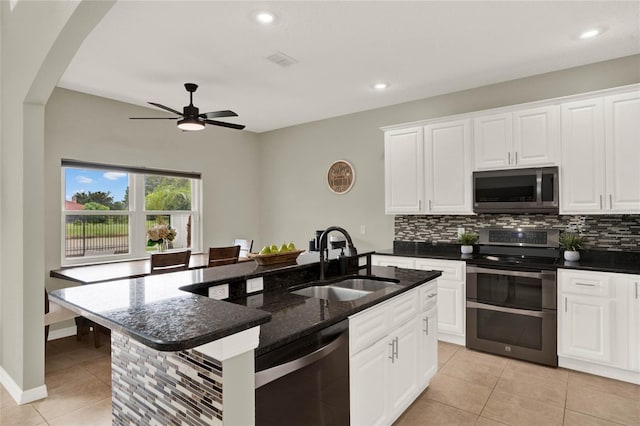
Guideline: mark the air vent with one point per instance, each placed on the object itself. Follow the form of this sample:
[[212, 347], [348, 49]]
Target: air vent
[[281, 59]]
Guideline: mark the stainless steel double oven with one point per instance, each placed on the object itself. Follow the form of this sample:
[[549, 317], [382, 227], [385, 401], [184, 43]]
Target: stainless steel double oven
[[511, 298]]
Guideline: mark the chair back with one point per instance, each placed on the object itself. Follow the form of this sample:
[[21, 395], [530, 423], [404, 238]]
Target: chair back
[[170, 262], [245, 246], [223, 255]]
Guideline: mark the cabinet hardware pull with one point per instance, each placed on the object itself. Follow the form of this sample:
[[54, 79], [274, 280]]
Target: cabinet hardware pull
[[429, 205], [397, 351], [636, 289], [508, 157], [586, 284], [426, 326], [419, 204], [392, 351], [601, 202], [610, 201], [516, 155], [565, 304]]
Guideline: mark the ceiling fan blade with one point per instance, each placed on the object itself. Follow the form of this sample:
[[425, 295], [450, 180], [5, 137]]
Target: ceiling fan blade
[[153, 118], [223, 124], [216, 114], [166, 108]]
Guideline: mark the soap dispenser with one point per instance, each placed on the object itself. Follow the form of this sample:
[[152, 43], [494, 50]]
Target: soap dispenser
[[342, 261]]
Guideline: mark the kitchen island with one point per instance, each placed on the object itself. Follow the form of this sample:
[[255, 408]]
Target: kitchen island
[[181, 357]]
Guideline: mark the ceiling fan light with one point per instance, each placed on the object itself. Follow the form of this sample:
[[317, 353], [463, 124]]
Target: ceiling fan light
[[190, 124]]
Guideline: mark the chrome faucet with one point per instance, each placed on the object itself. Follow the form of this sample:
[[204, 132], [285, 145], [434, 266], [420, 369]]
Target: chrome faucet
[[323, 246]]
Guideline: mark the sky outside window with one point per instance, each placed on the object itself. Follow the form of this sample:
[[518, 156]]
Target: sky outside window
[[89, 180]]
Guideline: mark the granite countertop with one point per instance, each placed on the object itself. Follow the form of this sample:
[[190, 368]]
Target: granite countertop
[[168, 312], [162, 310], [156, 312], [627, 262], [294, 316]]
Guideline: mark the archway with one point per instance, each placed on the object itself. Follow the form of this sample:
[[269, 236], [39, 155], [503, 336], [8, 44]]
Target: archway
[[38, 40]]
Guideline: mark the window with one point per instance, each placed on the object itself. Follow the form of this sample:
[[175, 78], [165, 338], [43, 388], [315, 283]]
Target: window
[[107, 211]]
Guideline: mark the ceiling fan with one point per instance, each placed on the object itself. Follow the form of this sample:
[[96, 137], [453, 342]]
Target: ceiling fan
[[190, 118]]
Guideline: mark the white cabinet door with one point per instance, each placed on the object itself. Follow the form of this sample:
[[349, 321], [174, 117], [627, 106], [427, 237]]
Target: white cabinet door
[[427, 325], [451, 296], [403, 157], [634, 324], [447, 161], [622, 139], [585, 328], [536, 138], [369, 384], [492, 141], [582, 172], [451, 310], [403, 379], [594, 321]]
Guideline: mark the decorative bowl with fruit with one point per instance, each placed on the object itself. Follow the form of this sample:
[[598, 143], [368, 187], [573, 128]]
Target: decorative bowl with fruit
[[271, 255]]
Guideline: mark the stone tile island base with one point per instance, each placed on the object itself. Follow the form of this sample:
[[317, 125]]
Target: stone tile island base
[[212, 384]]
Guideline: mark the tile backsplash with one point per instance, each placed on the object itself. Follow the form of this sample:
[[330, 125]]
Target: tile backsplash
[[609, 232]]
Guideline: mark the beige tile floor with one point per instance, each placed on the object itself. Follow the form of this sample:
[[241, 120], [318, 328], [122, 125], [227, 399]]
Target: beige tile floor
[[471, 388]]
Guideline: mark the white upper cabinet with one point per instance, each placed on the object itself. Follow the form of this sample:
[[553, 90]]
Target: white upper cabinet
[[404, 170], [600, 155], [536, 136], [622, 142], [582, 170], [447, 175], [522, 138], [493, 141], [428, 170]]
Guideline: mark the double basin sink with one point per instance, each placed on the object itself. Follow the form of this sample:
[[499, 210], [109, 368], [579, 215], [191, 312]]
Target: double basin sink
[[345, 289]]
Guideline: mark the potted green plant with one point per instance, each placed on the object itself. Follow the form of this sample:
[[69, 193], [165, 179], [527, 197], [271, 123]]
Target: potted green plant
[[467, 239], [571, 243]]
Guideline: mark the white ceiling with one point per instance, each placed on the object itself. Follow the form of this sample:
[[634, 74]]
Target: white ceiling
[[145, 50]]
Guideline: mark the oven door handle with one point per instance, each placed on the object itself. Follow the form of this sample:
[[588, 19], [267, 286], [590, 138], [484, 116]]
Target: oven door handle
[[538, 275], [537, 314], [274, 373]]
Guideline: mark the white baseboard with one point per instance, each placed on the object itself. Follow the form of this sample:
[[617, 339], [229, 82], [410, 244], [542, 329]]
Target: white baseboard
[[450, 338], [19, 395], [62, 332], [600, 370]]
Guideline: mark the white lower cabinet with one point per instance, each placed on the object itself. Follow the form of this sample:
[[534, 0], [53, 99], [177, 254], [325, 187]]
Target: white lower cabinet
[[451, 297], [596, 328], [369, 383], [451, 291], [391, 360], [403, 377]]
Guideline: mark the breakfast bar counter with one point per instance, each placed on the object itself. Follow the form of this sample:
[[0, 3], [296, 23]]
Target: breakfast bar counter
[[175, 351]]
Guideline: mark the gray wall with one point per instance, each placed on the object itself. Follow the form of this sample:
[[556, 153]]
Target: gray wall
[[295, 199], [89, 128]]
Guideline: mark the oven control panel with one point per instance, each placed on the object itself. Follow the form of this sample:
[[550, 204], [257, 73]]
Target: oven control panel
[[520, 237]]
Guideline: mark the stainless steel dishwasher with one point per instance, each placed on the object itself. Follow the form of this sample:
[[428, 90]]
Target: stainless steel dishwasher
[[305, 382]]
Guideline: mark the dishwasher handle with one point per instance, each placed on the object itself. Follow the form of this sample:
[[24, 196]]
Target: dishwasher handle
[[274, 373]]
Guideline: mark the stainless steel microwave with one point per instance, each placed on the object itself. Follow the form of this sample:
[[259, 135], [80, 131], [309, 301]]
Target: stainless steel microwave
[[533, 190]]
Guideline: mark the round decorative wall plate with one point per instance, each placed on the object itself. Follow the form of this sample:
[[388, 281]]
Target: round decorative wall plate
[[341, 176]]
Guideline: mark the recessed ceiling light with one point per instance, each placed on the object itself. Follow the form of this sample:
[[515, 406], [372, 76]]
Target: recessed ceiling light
[[590, 33], [265, 17], [380, 86]]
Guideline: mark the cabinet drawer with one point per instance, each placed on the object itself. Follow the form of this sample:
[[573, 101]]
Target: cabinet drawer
[[367, 327], [587, 283], [428, 296], [397, 261], [403, 309], [452, 270]]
